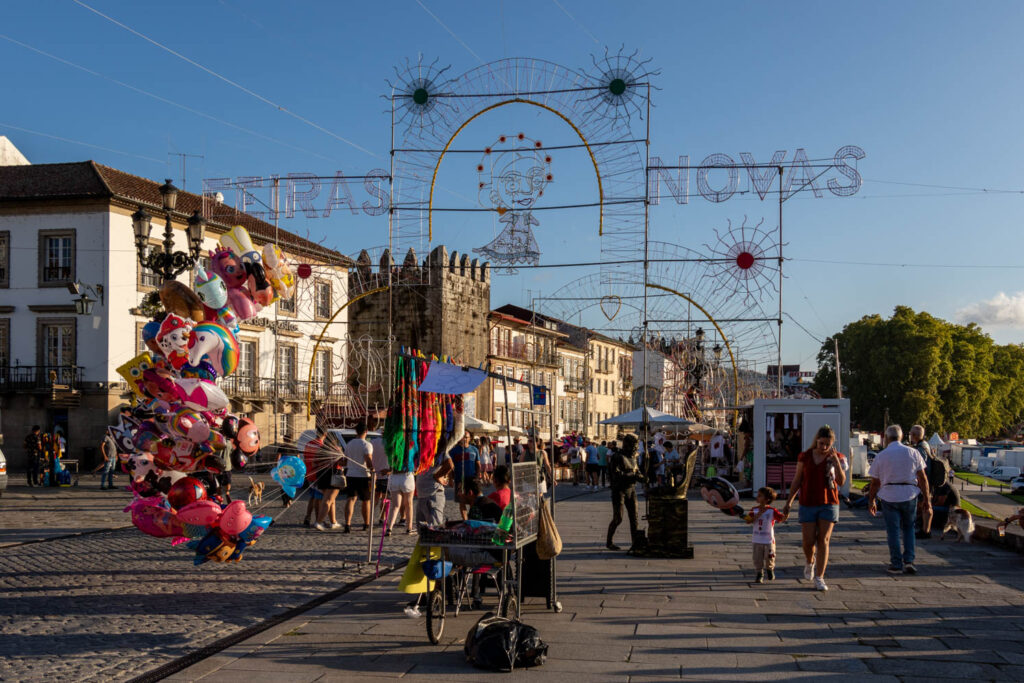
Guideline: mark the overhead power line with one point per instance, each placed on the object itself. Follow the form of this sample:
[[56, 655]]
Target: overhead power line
[[79, 142], [227, 80]]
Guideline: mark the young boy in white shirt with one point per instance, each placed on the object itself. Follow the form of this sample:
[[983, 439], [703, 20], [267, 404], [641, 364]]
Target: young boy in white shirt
[[763, 516]]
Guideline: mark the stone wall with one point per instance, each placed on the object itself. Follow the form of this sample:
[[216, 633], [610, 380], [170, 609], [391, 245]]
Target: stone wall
[[439, 305]]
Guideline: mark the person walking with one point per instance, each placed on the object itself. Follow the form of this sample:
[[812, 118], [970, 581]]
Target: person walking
[[819, 476], [359, 466], [34, 452], [593, 464], [466, 459], [430, 491], [923, 523], [109, 451], [625, 474], [898, 478], [330, 459]]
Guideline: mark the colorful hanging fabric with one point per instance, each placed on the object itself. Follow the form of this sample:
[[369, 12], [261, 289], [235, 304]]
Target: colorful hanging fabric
[[412, 426], [394, 424]]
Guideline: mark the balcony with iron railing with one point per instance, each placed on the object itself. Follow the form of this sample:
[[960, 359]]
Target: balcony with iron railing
[[16, 378], [524, 352], [269, 388], [574, 384]]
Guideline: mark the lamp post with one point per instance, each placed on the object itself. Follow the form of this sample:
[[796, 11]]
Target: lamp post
[[166, 262]]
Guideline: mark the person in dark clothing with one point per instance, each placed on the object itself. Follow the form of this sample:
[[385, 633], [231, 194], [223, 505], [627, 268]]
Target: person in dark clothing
[[945, 498], [624, 473], [481, 507], [34, 450]]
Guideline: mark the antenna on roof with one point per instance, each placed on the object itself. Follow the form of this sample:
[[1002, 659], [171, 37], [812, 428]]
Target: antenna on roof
[[184, 156]]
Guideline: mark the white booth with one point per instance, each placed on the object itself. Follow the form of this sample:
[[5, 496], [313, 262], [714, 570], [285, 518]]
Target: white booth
[[783, 428]]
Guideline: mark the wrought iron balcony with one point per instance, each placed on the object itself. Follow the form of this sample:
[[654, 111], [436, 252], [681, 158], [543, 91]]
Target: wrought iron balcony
[[525, 352], [269, 388], [39, 377]]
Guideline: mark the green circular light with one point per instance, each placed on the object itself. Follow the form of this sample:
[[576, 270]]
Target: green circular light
[[420, 96], [617, 86]]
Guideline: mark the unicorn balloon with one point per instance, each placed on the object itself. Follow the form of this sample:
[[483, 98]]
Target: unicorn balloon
[[214, 294], [215, 343], [230, 268]]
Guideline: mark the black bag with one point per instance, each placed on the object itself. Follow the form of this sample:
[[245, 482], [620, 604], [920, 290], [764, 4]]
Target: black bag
[[530, 649], [938, 472], [491, 643]]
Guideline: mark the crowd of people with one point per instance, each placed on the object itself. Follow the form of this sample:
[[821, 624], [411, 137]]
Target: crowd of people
[[45, 451]]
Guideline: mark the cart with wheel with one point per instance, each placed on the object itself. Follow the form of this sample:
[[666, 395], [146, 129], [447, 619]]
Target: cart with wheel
[[499, 555]]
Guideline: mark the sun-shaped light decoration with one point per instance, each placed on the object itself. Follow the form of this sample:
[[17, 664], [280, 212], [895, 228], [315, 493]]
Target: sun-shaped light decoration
[[417, 94], [619, 82], [745, 260]]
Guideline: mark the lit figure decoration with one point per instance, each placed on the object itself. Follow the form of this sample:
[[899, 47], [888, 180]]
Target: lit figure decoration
[[744, 260], [511, 182], [618, 84]]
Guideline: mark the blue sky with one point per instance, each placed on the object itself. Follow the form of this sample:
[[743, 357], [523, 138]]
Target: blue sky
[[930, 90]]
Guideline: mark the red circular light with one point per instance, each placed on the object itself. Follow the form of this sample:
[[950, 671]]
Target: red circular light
[[304, 270], [745, 260]]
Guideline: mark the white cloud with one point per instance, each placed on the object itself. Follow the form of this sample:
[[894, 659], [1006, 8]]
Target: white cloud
[[1001, 310]]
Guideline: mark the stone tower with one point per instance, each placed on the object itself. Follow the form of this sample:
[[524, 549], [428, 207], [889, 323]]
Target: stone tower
[[439, 306]]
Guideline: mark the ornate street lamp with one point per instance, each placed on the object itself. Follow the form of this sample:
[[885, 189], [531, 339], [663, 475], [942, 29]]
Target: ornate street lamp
[[167, 262], [84, 304]]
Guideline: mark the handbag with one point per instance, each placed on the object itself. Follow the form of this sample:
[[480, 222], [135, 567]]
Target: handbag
[[549, 541], [338, 480]]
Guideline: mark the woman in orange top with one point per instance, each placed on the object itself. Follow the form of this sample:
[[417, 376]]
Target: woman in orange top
[[819, 476]]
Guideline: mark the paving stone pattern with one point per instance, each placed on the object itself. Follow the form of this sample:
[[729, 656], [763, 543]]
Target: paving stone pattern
[[629, 619], [115, 604]]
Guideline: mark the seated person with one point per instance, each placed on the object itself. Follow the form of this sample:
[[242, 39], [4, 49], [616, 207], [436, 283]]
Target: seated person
[[502, 494], [944, 499], [481, 507]]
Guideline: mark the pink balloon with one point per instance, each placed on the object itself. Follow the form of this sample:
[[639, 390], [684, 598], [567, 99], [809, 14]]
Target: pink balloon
[[236, 518], [156, 521], [201, 513]]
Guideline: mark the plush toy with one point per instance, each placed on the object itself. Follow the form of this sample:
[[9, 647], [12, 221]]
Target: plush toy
[[179, 299], [230, 268], [216, 344], [173, 339], [214, 295]]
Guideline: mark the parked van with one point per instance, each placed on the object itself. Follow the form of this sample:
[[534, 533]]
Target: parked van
[[1004, 473]]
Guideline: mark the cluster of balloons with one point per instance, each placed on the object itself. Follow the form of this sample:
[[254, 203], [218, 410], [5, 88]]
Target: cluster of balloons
[[180, 435]]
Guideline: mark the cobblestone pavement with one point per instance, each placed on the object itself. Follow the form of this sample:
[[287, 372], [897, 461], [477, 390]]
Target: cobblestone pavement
[[636, 619], [114, 604]]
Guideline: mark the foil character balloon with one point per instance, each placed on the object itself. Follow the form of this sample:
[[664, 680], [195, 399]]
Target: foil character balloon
[[278, 271], [721, 494], [216, 344], [185, 491], [290, 472], [152, 516], [259, 524], [172, 338], [200, 394], [214, 295], [231, 269], [133, 369], [247, 437], [201, 512], [179, 299], [235, 519]]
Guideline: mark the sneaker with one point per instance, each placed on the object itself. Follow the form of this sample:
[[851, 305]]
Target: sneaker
[[771, 575], [347, 529], [413, 612], [335, 526], [819, 583], [306, 523], [320, 526], [612, 546], [893, 569], [809, 572], [760, 577], [909, 569]]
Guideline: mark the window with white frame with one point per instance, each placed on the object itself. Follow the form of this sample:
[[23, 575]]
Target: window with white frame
[[323, 299], [245, 375], [322, 371], [147, 276], [287, 305], [56, 257], [287, 365], [284, 427]]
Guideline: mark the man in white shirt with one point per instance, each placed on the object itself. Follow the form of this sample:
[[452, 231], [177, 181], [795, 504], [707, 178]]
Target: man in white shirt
[[897, 477], [358, 467]]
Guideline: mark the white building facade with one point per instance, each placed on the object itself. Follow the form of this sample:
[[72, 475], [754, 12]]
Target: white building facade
[[67, 224]]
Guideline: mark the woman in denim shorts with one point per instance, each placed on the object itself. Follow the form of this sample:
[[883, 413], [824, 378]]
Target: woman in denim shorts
[[819, 475]]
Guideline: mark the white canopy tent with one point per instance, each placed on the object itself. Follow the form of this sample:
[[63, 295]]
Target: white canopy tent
[[654, 418], [476, 425]]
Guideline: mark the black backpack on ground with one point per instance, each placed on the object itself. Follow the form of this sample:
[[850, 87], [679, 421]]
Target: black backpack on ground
[[499, 644]]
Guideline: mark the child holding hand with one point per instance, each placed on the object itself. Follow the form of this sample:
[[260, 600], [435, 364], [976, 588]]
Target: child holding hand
[[763, 516]]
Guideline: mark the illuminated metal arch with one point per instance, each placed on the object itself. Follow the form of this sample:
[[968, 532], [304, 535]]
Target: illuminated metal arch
[[725, 340], [515, 100], [615, 140], [320, 337]]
